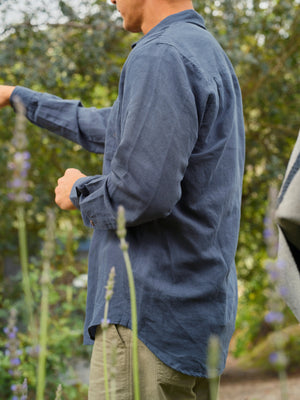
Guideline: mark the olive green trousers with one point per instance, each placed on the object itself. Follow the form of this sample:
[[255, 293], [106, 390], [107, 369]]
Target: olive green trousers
[[157, 380]]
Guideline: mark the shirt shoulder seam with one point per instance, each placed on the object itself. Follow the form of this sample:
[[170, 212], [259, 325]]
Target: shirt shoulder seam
[[164, 42]]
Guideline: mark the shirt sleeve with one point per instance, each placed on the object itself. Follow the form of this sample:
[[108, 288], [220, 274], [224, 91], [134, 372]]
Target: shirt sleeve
[[67, 118], [159, 131]]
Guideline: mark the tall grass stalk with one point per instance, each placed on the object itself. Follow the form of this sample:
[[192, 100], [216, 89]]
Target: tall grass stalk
[[19, 165], [213, 359], [25, 270], [283, 384], [58, 392], [45, 281], [104, 326], [121, 232]]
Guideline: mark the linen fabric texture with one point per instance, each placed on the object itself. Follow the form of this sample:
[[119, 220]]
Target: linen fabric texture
[[173, 145]]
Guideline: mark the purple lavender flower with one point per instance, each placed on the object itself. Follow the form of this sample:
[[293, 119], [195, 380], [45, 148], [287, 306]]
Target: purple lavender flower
[[105, 323], [268, 233], [24, 390], [12, 335], [15, 361], [26, 197], [12, 351], [283, 291], [20, 391], [13, 388], [273, 271], [19, 167], [274, 317], [26, 155], [26, 166], [16, 183], [267, 221], [274, 275], [278, 359], [273, 358], [11, 332], [19, 163]]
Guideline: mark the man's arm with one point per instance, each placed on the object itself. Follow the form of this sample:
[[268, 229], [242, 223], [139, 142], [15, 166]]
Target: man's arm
[[66, 118], [158, 134]]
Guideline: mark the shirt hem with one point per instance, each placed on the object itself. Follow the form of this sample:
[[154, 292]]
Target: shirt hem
[[153, 349]]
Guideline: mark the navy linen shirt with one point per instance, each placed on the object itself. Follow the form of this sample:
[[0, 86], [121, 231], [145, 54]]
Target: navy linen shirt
[[173, 146]]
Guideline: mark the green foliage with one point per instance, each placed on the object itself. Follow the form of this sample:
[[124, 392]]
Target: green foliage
[[259, 357], [64, 346]]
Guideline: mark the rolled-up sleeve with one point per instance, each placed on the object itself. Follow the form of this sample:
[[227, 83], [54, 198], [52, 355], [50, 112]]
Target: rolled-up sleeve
[[67, 118], [159, 128]]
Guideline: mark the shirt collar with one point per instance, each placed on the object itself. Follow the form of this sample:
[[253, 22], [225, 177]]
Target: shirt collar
[[190, 16]]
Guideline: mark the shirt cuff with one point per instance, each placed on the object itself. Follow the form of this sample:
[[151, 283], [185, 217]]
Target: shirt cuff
[[75, 193], [28, 98]]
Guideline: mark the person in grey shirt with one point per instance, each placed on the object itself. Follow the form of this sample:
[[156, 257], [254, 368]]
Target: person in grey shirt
[[173, 145]]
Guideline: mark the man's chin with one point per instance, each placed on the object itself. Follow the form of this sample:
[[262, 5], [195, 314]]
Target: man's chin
[[131, 27]]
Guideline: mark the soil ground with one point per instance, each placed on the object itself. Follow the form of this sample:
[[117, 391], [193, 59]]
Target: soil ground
[[237, 384]]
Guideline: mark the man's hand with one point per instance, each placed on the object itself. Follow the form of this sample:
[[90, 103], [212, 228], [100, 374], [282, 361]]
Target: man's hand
[[5, 93], [64, 187]]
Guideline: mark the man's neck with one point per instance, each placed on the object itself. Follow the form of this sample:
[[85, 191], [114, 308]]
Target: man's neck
[[157, 10]]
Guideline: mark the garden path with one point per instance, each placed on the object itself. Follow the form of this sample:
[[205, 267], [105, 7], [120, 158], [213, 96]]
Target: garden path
[[237, 384]]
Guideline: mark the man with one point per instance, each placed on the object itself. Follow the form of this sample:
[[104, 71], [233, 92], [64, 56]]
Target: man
[[173, 146]]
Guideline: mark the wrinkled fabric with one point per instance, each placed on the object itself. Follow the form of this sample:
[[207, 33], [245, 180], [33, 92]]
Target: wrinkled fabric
[[173, 146]]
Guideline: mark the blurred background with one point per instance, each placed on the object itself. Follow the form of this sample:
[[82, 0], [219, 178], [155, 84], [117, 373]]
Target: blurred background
[[75, 50]]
